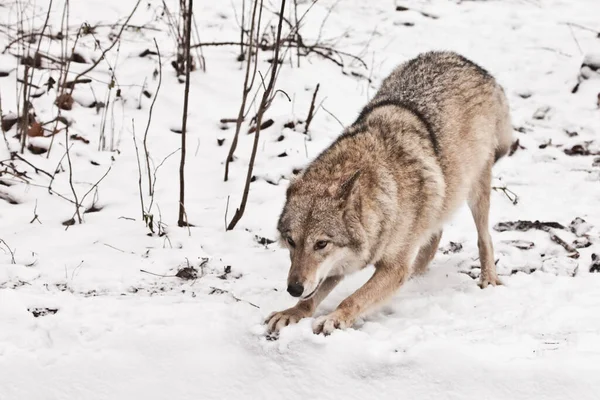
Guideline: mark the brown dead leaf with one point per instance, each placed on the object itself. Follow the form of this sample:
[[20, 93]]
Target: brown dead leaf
[[37, 150], [514, 147], [64, 101], [187, 273], [264, 125], [35, 130], [35, 62], [8, 122]]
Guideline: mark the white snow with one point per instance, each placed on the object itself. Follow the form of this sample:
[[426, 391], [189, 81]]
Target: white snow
[[120, 333]]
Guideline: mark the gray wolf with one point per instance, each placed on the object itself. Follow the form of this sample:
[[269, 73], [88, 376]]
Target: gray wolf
[[381, 193]]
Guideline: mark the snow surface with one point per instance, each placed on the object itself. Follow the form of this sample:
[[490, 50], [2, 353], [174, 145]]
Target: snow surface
[[120, 333]]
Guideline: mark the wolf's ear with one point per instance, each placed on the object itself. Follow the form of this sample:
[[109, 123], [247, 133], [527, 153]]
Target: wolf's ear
[[296, 175], [348, 187]]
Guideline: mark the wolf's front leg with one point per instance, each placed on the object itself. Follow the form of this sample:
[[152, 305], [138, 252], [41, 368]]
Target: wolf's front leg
[[388, 277], [304, 309]]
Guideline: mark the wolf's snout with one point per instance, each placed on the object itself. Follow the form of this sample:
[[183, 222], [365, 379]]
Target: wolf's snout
[[295, 289]]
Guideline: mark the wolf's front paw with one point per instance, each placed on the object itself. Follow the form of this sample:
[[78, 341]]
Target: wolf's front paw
[[279, 320], [489, 279], [329, 323]]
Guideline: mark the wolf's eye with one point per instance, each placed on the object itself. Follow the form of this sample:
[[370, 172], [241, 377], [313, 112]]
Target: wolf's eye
[[291, 242], [321, 244]]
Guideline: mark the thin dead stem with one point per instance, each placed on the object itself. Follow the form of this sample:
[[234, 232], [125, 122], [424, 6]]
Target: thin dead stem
[[109, 48], [77, 213], [254, 26], [188, 66], [12, 254], [145, 142], [311, 111], [266, 99], [137, 154]]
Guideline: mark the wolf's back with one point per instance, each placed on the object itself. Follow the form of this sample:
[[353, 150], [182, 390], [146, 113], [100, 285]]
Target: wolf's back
[[426, 84]]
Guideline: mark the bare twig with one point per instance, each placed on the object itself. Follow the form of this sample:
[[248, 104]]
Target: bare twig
[[64, 72], [12, 254], [575, 39], [585, 28], [77, 213], [109, 48], [2, 125], [159, 275], [137, 154], [25, 112], [510, 195], [254, 26], [154, 177], [199, 51], [117, 249], [27, 83], [266, 98], [226, 211], [35, 215], [297, 30], [334, 117], [237, 299], [14, 155], [242, 27], [311, 110], [146, 152], [317, 48], [94, 186], [188, 66]]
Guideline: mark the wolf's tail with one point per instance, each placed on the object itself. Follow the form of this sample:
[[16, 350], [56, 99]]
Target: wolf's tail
[[504, 130]]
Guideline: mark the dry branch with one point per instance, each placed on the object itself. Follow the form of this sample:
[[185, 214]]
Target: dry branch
[[265, 101], [77, 213], [182, 220], [109, 48], [145, 142], [311, 111], [254, 26]]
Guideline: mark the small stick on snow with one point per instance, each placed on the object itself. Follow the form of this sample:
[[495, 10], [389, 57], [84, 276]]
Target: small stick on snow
[[36, 169], [35, 215], [159, 275], [237, 299], [512, 196]]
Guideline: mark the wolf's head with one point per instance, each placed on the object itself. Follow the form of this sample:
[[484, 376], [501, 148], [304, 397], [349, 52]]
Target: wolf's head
[[320, 225]]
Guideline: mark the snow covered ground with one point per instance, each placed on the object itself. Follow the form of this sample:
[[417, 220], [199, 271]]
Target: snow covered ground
[[80, 319]]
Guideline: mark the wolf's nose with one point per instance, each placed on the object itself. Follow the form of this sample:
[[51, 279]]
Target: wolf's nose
[[295, 289]]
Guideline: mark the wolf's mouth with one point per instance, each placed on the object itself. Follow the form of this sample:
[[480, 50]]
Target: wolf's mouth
[[311, 294]]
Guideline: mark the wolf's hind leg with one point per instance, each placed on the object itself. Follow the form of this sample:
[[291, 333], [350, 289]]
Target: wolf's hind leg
[[426, 254], [479, 203]]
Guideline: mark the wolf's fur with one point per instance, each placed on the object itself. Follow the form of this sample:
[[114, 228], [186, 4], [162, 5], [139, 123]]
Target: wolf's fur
[[382, 191]]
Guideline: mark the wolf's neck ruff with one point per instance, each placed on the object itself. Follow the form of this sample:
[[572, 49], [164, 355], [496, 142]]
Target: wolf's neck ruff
[[404, 104]]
